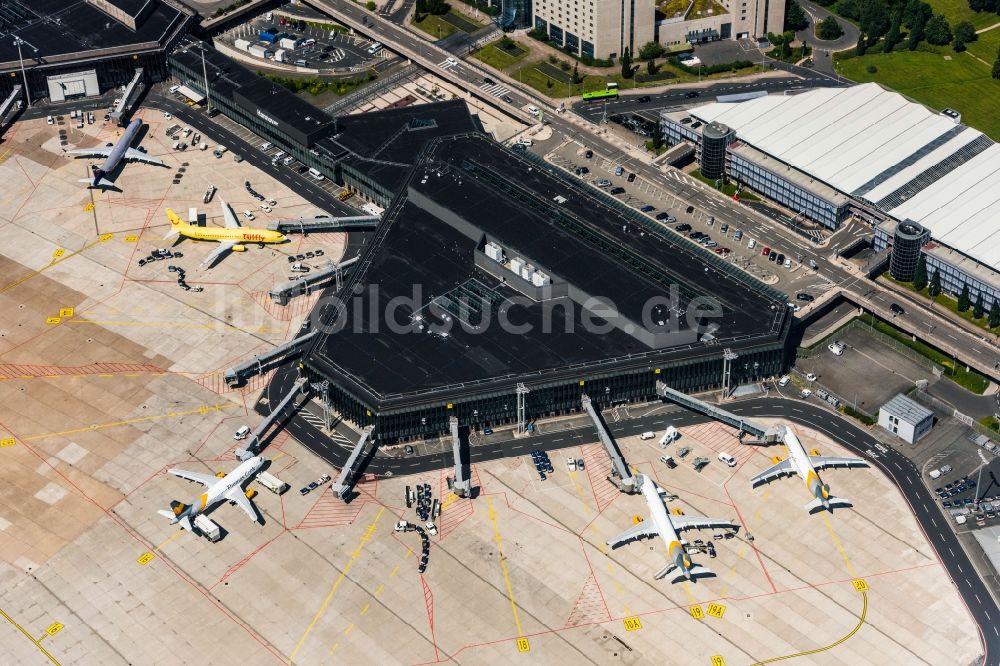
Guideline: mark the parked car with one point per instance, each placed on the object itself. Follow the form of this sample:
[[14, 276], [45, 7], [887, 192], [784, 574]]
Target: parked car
[[647, 208], [837, 348], [784, 380], [617, 190], [728, 459], [808, 298], [810, 377]]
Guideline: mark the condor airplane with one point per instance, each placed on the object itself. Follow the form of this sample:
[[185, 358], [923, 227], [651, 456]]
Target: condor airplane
[[807, 466], [666, 527], [114, 155], [227, 489], [231, 237]]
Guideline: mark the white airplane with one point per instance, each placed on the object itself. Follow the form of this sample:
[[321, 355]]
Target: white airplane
[[807, 466], [113, 155], [228, 488], [666, 527]]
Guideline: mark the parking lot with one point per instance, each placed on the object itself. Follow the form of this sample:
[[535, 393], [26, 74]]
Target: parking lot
[[332, 50], [718, 236]]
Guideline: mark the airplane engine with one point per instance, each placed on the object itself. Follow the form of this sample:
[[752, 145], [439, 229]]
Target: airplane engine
[[251, 493], [239, 248]]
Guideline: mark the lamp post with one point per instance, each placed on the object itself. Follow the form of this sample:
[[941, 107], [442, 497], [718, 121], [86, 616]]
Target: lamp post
[[27, 89]]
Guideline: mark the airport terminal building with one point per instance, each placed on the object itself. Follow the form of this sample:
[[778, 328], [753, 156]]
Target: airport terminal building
[[829, 154], [492, 274], [81, 49]]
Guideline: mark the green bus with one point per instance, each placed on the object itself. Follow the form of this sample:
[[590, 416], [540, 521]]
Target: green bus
[[600, 94]]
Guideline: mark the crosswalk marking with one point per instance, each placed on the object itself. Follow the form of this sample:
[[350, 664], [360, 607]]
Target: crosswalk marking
[[495, 89]]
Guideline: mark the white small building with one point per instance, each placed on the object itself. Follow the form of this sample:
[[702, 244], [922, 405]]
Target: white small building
[[905, 418]]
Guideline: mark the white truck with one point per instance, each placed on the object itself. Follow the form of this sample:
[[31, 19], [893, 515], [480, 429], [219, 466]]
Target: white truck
[[242, 44], [670, 435], [279, 55], [272, 483], [207, 527]]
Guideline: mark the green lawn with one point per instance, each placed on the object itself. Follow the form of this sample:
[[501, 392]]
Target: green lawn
[[498, 58], [986, 46], [437, 26], [962, 83], [958, 10], [529, 75]]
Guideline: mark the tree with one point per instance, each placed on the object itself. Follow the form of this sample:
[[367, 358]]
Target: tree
[[829, 29], [658, 135], [576, 74], [977, 5], [650, 51], [977, 310], [916, 32], [420, 9], [935, 286], [874, 19], [371, 6], [963, 299], [957, 44], [893, 37], [937, 31], [996, 68], [862, 44], [994, 320], [626, 64], [920, 275], [966, 32], [795, 18], [916, 11], [651, 67]]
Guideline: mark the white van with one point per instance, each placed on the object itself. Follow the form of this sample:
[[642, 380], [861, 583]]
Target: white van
[[242, 432], [649, 434], [533, 110], [752, 244], [300, 63], [525, 142], [728, 459], [316, 174], [670, 435], [267, 145], [174, 89]]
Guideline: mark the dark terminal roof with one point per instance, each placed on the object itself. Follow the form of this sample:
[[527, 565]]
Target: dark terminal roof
[[63, 29], [467, 192], [384, 145]]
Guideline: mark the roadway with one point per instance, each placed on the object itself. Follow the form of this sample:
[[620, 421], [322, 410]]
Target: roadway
[[896, 466]]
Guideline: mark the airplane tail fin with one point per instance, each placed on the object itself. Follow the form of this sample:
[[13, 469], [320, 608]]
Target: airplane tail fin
[[828, 504], [96, 182], [696, 572]]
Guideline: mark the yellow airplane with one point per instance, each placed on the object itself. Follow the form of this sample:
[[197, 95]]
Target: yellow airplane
[[231, 237]]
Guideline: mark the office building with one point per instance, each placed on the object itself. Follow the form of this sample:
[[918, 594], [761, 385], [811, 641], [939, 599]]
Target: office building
[[829, 154], [905, 418], [697, 23], [597, 28]]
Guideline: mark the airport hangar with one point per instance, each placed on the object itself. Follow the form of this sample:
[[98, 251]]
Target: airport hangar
[[81, 49], [488, 234], [929, 185]]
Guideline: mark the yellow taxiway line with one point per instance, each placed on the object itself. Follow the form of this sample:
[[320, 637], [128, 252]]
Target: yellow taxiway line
[[30, 638], [336, 584], [861, 621], [840, 546], [57, 260], [503, 566], [204, 409]]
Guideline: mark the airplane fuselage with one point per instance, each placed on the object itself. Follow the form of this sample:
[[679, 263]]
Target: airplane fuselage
[[124, 143], [217, 492], [241, 235], [661, 520], [804, 467]]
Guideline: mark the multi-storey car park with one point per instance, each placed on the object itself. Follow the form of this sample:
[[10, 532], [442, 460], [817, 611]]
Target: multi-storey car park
[[67, 50], [928, 184], [446, 312]]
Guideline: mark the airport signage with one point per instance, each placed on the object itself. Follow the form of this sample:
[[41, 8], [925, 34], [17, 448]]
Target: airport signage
[[267, 118]]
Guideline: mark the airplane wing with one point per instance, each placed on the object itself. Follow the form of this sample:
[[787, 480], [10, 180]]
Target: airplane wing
[[139, 156], [204, 479], [823, 462], [641, 531], [784, 468], [682, 523], [224, 247], [91, 152], [239, 498], [229, 216]]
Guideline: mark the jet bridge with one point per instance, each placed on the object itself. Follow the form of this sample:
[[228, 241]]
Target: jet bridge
[[763, 435], [462, 485], [252, 447], [12, 102], [342, 486], [304, 225], [308, 281], [622, 477], [120, 110], [237, 375]]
